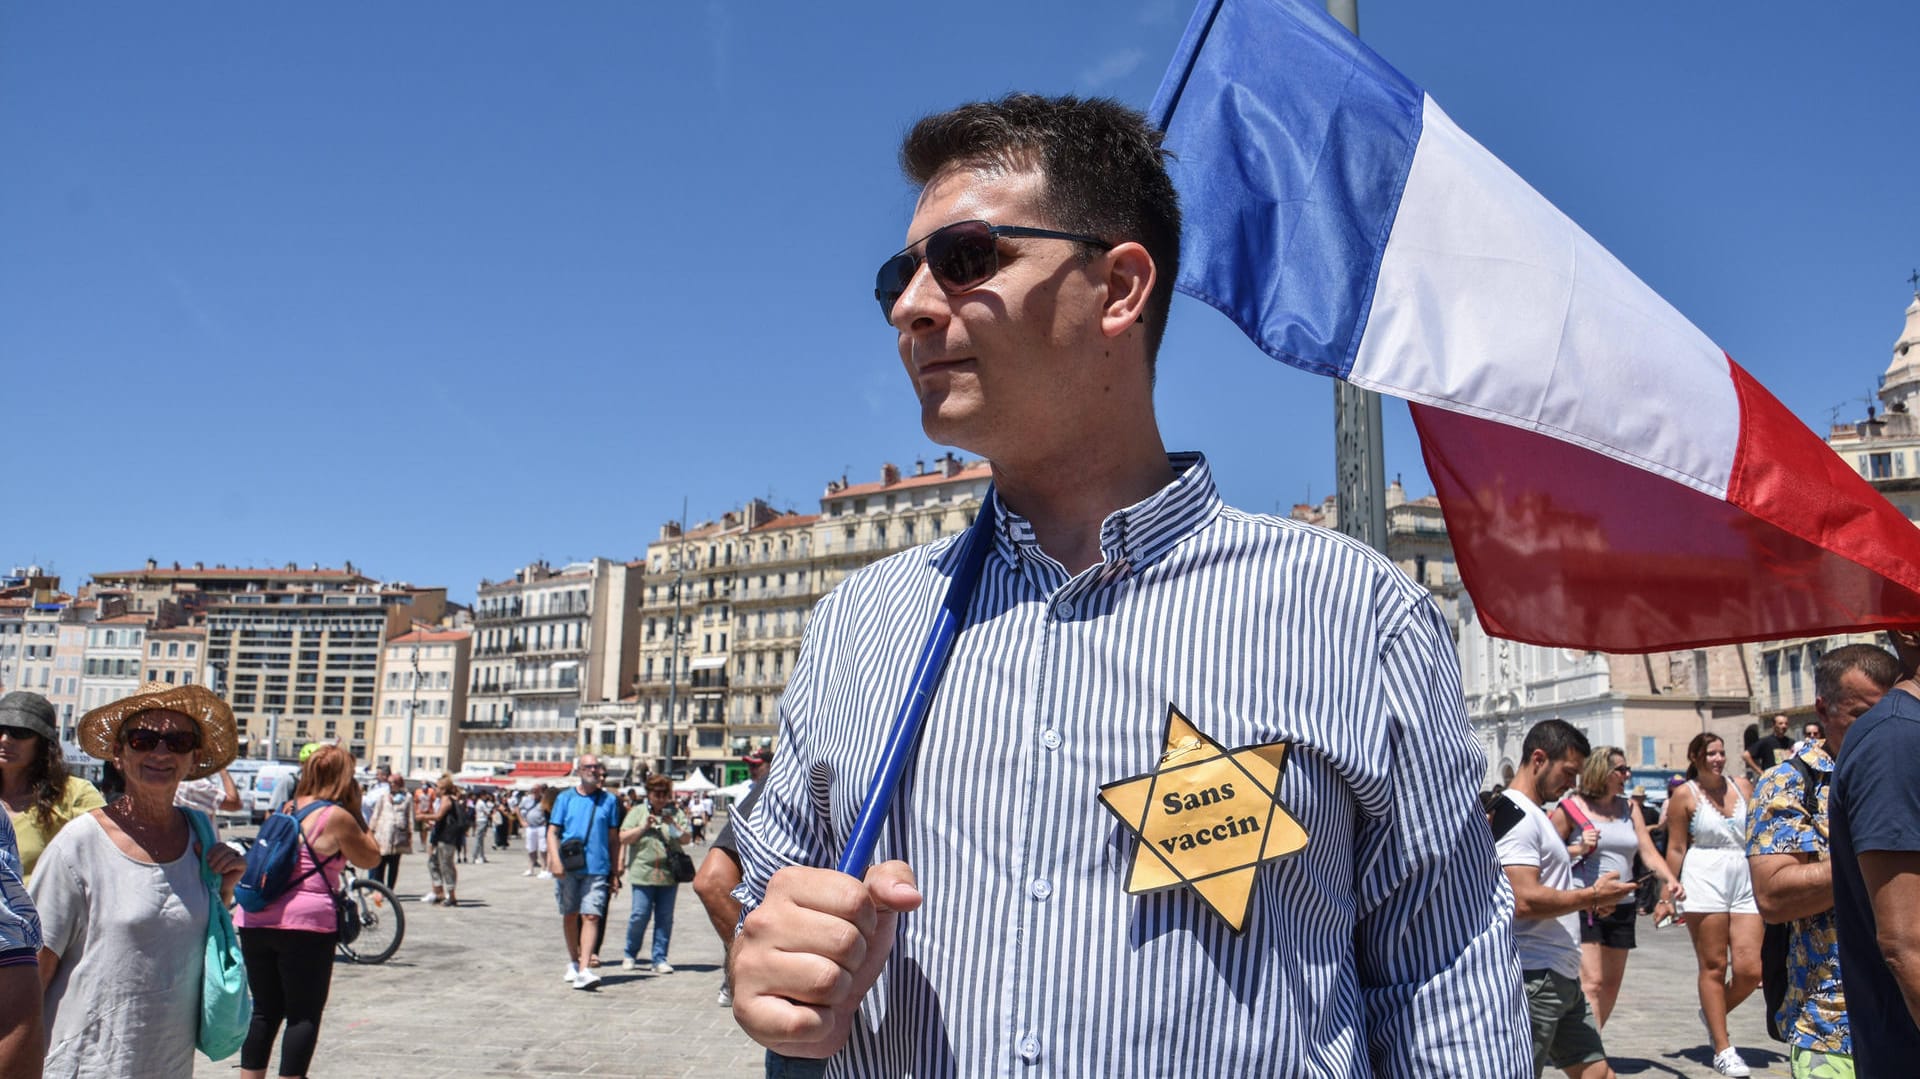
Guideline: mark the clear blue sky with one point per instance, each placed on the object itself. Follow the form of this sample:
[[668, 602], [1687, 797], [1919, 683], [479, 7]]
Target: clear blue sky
[[443, 288]]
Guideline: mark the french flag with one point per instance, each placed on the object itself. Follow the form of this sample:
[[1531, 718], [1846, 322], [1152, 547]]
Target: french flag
[[1611, 479]]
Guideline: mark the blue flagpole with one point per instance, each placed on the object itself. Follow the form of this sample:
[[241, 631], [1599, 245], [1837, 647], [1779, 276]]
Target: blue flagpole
[[904, 737]]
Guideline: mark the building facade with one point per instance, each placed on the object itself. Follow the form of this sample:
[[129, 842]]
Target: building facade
[[177, 656], [423, 695], [297, 651], [545, 643], [726, 603]]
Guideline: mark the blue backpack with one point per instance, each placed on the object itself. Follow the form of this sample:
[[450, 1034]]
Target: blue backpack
[[272, 859]]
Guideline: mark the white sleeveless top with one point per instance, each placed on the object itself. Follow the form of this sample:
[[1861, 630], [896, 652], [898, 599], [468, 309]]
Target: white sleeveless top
[[1711, 831]]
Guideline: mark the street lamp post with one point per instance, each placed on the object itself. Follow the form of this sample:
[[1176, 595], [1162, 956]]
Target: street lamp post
[[413, 709], [673, 661]]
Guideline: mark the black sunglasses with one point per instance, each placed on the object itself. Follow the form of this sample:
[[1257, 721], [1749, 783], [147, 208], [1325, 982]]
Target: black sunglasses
[[961, 256], [18, 734], [142, 740]]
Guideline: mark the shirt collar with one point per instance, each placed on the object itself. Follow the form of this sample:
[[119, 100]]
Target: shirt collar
[[1133, 538]]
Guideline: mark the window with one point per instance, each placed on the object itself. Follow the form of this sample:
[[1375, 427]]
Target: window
[[173, 649], [154, 650], [1793, 672], [1880, 466], [1773, 676], [1647, 757]]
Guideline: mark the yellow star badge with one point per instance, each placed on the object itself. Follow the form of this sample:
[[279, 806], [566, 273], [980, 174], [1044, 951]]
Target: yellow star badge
[[1206, 818]]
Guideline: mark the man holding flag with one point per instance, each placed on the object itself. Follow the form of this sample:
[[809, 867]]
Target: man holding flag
[[1197, 792]]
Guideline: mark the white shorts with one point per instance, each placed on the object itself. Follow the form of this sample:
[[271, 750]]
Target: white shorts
[[1717, 882], [537, 840]]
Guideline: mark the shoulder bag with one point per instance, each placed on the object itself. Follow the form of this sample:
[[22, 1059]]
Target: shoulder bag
[[679, 863], [226, 1008]]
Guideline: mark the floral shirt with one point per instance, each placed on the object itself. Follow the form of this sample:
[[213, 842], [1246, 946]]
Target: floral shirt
[[1814, 1013]]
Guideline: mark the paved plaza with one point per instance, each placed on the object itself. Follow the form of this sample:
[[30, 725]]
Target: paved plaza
[[476, 991]]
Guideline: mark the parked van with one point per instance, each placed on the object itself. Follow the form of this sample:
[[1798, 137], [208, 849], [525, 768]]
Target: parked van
[[260, 799]]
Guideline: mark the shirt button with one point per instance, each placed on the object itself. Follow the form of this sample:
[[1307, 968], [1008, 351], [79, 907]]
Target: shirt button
[[1065, 610], [1029, 1049], [1042, 889], [1050, 738]]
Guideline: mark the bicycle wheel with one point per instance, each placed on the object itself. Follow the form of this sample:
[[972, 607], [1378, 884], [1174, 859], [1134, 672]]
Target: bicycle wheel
[[382, 922]]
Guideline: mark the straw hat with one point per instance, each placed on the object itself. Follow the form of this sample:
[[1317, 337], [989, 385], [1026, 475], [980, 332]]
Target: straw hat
[[99, 730]]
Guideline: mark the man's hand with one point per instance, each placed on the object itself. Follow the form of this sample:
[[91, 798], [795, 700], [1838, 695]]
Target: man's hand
[[554, 866], [805, 958], [1610, 891]]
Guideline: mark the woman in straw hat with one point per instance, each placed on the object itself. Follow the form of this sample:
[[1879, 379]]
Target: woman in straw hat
[[123, 907], [41, 797]]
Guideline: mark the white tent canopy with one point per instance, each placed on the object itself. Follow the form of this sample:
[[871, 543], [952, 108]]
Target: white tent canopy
[[737, 791], [698, 781]]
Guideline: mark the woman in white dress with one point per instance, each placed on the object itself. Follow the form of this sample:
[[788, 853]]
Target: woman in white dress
[[1707, 847]]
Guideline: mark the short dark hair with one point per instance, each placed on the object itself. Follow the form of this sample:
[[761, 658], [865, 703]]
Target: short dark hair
[[1556, 736], [1104, 170], [1869, 659]]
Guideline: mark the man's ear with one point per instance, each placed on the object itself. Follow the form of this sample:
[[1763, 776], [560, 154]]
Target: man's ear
[[1131, 276]]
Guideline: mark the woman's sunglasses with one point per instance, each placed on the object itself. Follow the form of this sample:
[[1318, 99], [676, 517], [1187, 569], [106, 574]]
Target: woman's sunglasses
[[961, 256], [142, 740], [18, 734]]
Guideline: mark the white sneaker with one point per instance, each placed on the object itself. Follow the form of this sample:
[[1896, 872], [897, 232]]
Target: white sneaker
[[1727, 1062], [544, 875], [429, 899], [528, 872], [628, 963], [725, 999], [587, 980], [663, 968], [572, 974]]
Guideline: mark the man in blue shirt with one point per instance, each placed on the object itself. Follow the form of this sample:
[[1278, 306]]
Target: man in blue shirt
[[1874, 829], [586, 860]]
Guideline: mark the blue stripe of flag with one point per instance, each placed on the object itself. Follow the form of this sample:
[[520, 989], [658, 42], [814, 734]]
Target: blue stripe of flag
[[1292, 143]]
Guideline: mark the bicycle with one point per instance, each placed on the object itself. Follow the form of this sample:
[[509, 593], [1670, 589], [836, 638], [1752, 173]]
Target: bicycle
[[372, 920]]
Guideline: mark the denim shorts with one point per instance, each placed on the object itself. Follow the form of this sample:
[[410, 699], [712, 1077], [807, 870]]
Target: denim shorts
[[581, 893]]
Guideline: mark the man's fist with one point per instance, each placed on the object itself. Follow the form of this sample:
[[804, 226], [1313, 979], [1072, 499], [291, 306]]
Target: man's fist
[[806, 956]]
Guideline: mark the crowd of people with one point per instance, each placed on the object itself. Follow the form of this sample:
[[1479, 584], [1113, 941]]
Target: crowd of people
[[108, 904], [1734, 857]]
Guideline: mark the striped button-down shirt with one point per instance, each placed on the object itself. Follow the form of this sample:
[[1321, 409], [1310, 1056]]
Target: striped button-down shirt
[[1384, 948]]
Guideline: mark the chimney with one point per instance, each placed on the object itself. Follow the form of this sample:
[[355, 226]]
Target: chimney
[[949, 464], [919, 466], [889, 474], [151, 564], [200, 566]]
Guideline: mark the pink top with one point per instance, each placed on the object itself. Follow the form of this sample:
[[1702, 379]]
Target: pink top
[[307, 905]]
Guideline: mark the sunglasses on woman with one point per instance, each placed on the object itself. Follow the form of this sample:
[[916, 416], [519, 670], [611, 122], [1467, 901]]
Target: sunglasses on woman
[[961, 256], [142, 740], [18, 734]]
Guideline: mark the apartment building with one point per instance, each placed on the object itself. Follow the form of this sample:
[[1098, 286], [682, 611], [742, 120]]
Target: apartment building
[[69, 663], [686, 630], [177, 656], [113, 662], [726, 604], [545, 643], [30, 606], [423, 694], [296, 650]]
